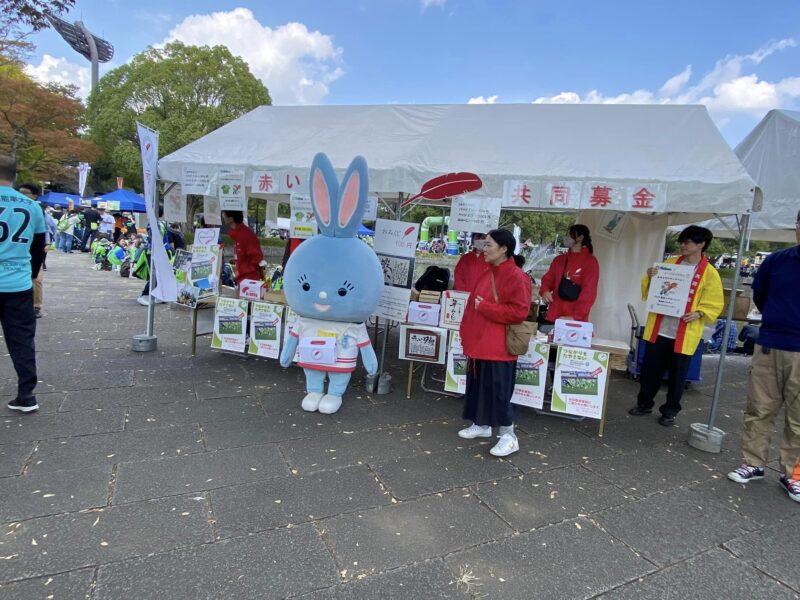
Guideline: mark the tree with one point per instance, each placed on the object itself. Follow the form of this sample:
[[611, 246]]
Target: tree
[[40, 126], [31, 13], [184, 92]]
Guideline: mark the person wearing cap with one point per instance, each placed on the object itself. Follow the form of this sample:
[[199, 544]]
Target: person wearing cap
[[106, 226]]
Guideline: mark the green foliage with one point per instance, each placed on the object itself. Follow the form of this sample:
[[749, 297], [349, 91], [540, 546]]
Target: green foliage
[[184, 92], [539, 227], [31, 13]]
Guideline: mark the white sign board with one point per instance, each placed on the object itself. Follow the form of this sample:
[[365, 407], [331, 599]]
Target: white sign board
[[266, 326], [426, 344], [579, 385], [211, 212], [529, 385], [456, 374], [453, 306], [393, 303], [371, 211], [175, 205], [230, 321], [470, 213], [231, 191], [396, 238], [303, 223], [395, 243], [199, 180], [669, 289], [265, 182], [206, 236]]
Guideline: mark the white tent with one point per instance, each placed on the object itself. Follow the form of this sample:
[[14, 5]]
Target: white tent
[[675, 149]]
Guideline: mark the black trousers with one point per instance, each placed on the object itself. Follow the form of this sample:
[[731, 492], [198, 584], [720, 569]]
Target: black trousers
[[658, 358], [19, 330]]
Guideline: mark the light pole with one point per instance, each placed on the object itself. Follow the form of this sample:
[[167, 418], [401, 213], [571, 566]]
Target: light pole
[[91, 47]]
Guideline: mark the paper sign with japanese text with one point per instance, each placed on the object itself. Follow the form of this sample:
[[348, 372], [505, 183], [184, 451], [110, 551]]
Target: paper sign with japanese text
[[529, 385], [521, 194], [206, 236], [669, 289], [293, 183], [649, 198], [579, 385], [456, 374], [393, 303], [426, 344], [454, 304], [371, 211], [230, 320], [211, 212], [303, 223], [266, 329], [603, 196], [265, 182], [396, 238], [199, 179], [471, 213], [175, 205], [231, 191], [562, 195]]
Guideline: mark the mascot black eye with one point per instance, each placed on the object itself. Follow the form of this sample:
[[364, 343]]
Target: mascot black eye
[[306, 286], [342, 292]]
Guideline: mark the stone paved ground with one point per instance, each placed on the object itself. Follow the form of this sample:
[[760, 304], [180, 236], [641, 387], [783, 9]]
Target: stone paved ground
[[163, 476]]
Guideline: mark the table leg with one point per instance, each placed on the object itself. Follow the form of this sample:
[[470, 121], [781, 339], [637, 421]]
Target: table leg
[[605, 401], [194, 331], [410, 376]]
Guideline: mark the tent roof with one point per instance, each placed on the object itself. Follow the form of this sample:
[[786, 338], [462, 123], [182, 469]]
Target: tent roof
[[771, 154], [406, 145], [128, 200], [60, 198]]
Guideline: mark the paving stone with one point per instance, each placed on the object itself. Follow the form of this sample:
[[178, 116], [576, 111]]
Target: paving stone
[[119, 378], [401, 534], [537, 499], [417, 475], [674, 525], [132, 396], [41, 494], [196, 472], [273, 503], [388, 414], [193, 411], [75, 540], [110, 448], [13, 457], [343, 449], [571, 560], [272, 428], [274, 564], [638, 433], [552, 451], [430, 580], [42, 427], [74, 585], [715, 570], [227, 389], [438, 436], [773, 550], [48, 404], [647, 472], [764, 502]]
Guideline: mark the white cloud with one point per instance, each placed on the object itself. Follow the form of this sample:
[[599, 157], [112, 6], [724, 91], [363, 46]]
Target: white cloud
[[482, 100], [296, 65], [727, 90], [53, 69], [428, 3]]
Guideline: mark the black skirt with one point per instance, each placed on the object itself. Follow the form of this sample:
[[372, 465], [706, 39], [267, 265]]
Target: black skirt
[[490, 384]]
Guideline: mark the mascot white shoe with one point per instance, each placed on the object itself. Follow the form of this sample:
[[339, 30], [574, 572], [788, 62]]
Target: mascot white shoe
[[333, 281]]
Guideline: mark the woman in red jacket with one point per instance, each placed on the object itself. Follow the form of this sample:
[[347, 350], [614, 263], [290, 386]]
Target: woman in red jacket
[[569, 287], [500, 296], [247, 249]]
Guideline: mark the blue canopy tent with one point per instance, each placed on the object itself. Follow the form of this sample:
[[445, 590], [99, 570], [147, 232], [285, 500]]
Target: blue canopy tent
[[129, 201], [53, 198], [364, 230]]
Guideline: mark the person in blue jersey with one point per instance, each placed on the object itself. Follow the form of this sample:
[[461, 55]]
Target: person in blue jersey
[[22, 238]]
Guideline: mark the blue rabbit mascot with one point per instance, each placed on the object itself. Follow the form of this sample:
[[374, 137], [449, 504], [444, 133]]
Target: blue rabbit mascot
[[333, 281]]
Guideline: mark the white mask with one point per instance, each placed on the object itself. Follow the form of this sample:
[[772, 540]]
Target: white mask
[[568, 242], [479, 244]]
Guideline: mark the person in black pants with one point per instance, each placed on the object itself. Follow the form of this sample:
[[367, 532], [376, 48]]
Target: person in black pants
[[91, 223], [22, 241]]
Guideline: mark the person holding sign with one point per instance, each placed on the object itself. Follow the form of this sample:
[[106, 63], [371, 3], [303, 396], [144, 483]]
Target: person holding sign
[[569, 288], [671, 341], [501, 296]]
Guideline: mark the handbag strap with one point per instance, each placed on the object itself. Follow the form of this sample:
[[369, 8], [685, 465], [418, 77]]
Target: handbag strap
[[494, 289]]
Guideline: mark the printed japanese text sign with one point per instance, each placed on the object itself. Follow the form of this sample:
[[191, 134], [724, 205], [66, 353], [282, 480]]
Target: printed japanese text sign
[[529, 385], [393, 303], [175, 205], [290, 183], [398, 271], [669, 289], [265, 182], [303, 223], [426, 344], [371, 211], [231, 191], [520, 194], [454, 304], [562, 195], [650, 198], [211, 211], [199, 179], [470, 213], [603, 196], [396, 238], [579, 385], [266, 324], [230, 320], [456, 374]]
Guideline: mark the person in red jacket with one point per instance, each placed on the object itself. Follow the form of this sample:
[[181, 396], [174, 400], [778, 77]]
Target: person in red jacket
[[569, 288], [247, 249], [500, 296], [470, 266]]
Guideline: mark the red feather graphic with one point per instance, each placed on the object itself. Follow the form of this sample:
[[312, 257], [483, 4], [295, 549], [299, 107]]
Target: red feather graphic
[[446, 186], [407, 231]]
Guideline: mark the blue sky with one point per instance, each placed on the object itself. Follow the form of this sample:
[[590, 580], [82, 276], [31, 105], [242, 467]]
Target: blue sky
[[740, 58]]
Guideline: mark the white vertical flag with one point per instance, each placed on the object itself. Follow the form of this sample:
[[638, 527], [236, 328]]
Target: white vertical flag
[[83, 175], [166, 287]]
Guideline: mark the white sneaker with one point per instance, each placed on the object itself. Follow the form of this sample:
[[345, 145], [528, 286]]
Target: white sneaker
[[508, 444], [475, 431], [330, 404], [143, 300], [311, 401]]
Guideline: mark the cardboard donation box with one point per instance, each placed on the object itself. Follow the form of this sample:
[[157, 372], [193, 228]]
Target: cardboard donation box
[[250, 289], [423, 313], [741, 305], [318, 350], [573, 333]]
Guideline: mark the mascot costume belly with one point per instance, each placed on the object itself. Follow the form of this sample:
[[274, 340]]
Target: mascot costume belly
[[333, 281]]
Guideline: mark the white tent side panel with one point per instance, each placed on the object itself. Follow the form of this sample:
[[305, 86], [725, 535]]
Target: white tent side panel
[[406, 145]]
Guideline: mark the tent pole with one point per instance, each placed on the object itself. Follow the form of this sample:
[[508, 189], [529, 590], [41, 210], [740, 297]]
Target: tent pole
[[707, 437]]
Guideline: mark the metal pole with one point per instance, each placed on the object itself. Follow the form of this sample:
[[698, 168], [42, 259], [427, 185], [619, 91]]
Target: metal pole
[[92, 52], [148, 342], [707, 437]]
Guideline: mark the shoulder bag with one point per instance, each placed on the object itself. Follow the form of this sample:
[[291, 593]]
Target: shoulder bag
[[518, 335], [567, 289]]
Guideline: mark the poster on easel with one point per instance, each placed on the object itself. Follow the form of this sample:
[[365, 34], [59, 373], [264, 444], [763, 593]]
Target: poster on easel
[[291, 319], [456, 374], [230, 325], [395, 243], [579, 383], [529, 384], [266, 329], [205, 267], [454, 303]]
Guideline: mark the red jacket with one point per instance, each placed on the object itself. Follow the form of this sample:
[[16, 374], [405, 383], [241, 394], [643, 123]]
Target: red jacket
[[583, 269], [248, 253], [483, 330], [468, 268]]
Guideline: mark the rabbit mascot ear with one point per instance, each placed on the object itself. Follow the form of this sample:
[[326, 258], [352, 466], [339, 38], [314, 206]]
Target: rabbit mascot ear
[[333, 281], [338, 208]]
